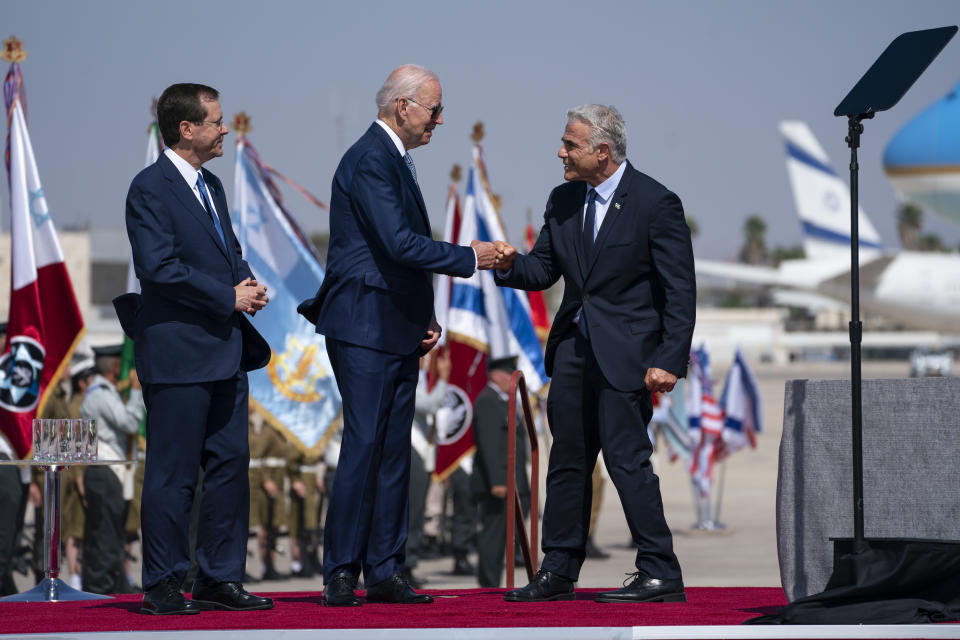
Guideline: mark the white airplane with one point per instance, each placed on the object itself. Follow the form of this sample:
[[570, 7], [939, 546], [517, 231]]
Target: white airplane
[[916, 289]]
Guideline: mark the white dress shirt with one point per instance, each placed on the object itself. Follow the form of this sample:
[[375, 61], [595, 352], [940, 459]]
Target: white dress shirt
[[190, 175], [605, 191]]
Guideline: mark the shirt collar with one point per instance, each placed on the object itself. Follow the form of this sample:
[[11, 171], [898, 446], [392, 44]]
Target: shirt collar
[[503, 396], [606, 188], [100, 381], [185, 168], [393, 136]]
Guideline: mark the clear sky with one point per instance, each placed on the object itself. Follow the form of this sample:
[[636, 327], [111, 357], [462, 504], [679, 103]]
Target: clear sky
[[702, 86]]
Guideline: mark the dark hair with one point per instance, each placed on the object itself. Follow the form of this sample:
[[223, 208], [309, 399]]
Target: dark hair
[[180, 102]]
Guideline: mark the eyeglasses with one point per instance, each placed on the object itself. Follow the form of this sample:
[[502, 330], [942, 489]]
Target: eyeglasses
[[218, 124], [435, 110]]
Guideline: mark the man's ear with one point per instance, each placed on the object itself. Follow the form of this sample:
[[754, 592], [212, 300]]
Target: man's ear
[[186, 130]]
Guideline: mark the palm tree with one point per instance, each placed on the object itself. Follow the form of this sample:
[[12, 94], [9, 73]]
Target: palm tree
[[909, 221], [754, 250]]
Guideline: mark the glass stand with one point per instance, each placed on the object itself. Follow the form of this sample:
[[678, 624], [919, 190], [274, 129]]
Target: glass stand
[[52, 588]]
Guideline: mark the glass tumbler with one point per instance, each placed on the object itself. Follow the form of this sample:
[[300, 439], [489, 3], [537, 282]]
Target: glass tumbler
[[90, 439], [38, 439]]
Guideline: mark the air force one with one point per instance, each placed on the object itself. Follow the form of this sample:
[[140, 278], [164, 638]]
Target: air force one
[[923, 158], [916, 289]]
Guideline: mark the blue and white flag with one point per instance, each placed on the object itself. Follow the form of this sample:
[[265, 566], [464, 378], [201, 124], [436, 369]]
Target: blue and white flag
[[743, 408], [495, 320], [296, 392]]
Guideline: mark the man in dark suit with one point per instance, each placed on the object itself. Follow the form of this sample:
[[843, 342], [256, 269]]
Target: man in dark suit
[[193, 348], [623, 330], [375, 308], [489, 478]]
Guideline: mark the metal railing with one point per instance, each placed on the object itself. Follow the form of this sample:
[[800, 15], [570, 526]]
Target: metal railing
[[528, 546]]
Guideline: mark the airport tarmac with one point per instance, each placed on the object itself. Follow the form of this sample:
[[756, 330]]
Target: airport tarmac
[[744, 553]]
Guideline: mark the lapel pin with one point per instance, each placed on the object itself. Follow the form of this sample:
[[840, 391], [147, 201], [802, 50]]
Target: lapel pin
[[617, 205]]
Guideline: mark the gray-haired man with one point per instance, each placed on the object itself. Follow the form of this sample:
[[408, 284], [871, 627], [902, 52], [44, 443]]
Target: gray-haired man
[[619, 241]]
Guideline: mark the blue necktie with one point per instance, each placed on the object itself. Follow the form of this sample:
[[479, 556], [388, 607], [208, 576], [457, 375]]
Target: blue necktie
[[413, 169], [202, 187], [589, 222]]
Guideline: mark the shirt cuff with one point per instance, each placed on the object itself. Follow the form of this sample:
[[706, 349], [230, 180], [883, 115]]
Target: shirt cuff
[[476, 261]]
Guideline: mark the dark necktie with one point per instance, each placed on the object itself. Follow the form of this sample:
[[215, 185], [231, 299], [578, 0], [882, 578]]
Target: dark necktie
[[413, 169], [589, 222], [202, 188]]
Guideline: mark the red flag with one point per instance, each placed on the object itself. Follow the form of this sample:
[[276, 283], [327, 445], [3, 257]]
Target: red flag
[[468, 374], [45, 324], [538, 307]]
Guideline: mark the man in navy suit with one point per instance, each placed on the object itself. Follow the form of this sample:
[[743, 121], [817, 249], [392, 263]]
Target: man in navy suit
[[193, 348], [375, 308], [620, 242]]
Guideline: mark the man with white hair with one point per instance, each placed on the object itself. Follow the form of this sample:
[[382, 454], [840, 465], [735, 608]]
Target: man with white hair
[[623, 330], [375, 308]]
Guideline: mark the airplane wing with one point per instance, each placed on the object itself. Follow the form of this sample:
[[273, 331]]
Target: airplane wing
[[748, 273]]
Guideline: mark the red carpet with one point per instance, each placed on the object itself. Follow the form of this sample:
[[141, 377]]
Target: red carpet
[[467, 608]]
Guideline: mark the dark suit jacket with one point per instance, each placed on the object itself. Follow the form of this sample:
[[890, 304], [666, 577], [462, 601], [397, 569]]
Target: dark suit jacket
[[490, 422], [378, 290], [637, 292], [184, 325]]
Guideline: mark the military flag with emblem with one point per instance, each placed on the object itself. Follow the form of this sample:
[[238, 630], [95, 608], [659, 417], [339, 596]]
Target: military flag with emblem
[[494, 321], [45, 324], [296, 392]]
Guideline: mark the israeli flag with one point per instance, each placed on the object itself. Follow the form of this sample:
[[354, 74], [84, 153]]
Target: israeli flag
[[296, 392], [492, 319], [742, 405]]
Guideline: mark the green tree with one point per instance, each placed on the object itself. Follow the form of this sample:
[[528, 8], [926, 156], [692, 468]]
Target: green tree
[[930, 242], [694, 227], [754, 250], [787, 253], [909, 222]]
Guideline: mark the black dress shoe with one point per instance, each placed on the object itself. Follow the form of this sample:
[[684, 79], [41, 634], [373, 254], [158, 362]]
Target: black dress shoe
[[462, 567], [546, 586], [339, 592], [229, 596], [165, 598], [593, 551], [396, 590], [643, 588]]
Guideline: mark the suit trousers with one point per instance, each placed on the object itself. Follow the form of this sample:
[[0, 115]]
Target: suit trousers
[[104, 537], [587, 415], [463, 522], [419, 486], [367, 520], [11, 500], [189, 427], [492, 537]]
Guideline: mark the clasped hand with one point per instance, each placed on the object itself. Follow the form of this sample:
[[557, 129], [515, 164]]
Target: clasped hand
[[494, 255], [251, 296]]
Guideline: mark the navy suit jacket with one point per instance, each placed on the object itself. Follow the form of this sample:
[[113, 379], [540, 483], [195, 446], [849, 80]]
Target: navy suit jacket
[[183, 323], [637, 291], [378, 289]]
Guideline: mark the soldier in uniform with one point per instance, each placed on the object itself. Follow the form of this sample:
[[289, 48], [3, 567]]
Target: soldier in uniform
[[104, 537], [268, 462], [489, 478], [306, 486]]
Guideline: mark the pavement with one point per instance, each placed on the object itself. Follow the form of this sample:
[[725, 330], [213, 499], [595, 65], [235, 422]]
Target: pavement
[[742, 553]]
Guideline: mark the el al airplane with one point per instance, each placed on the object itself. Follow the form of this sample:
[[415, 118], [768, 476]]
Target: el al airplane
[[919, 290]]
